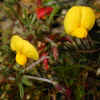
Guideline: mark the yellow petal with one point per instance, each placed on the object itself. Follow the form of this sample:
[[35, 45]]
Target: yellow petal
[[72, 19], [80, 32], [16, 43], [21, 59], [29, 50], [87, 18]]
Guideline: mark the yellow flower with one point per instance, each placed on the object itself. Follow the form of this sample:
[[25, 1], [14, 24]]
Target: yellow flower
[[79, 20], [23, 50]]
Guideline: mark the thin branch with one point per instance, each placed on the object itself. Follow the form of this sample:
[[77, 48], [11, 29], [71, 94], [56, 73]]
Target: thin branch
[[41, 79], [35, 78], [36, 63]]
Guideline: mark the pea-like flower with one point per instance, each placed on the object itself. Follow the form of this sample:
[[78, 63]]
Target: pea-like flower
[[79, 20], [23, 50]]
